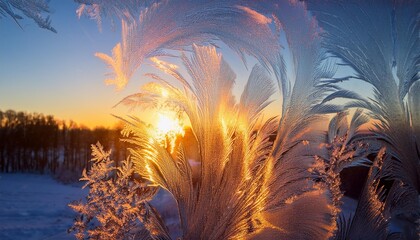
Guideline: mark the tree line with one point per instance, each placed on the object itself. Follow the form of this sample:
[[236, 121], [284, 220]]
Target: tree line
[[38, 143]]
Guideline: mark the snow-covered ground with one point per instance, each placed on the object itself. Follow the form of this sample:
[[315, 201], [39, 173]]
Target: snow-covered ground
[[35, 207]]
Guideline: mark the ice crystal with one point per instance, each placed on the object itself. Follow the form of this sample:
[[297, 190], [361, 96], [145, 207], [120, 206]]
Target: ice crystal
[[32, 9], [117, 206], [247, 185], [158, 28], [382, 40], [232, 150]]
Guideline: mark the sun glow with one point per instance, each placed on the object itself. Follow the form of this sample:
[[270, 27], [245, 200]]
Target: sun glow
[[168, 128], [166, 124]]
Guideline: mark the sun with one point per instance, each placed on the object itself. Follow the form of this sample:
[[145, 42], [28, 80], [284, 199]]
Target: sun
[[166, 124], [168, 128]]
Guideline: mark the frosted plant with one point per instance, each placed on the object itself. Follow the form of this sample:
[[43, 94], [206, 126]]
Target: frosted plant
[[117, 206], [380, 41], [30, 8]]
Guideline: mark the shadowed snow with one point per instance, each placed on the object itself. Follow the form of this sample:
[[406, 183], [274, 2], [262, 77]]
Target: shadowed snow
[[35, 207]]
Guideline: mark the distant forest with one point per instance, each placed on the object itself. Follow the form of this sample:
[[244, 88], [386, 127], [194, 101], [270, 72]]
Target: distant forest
[[38, 143]]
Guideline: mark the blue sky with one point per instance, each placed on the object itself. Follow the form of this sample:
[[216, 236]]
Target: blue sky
[[58, 74]]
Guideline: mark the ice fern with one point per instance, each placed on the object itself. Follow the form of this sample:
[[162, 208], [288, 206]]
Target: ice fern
[[380, 41], [348, 146], [117, 206], [277, 178], [158, 28], [32, 9], [371, 212], [99, 9], [229, 195]]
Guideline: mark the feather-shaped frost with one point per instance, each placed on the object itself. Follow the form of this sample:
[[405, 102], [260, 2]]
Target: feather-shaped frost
[[232, 148], [346, 146], [414, 106], [370, 212], [380, 41], [32, 9], [100, 9], [176, 25], [297, 143], [251, 185]]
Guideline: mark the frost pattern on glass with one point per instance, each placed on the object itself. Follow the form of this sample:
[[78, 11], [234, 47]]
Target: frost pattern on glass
[[414, 105], [374, 48], [244, 184], [159, 27], [32, 9], [117, 206], [232, 148]]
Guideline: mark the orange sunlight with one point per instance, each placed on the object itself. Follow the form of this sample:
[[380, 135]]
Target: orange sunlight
[[168, 128]]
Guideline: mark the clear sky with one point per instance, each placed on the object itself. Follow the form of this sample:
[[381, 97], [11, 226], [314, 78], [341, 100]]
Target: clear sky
[[58, 74]]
